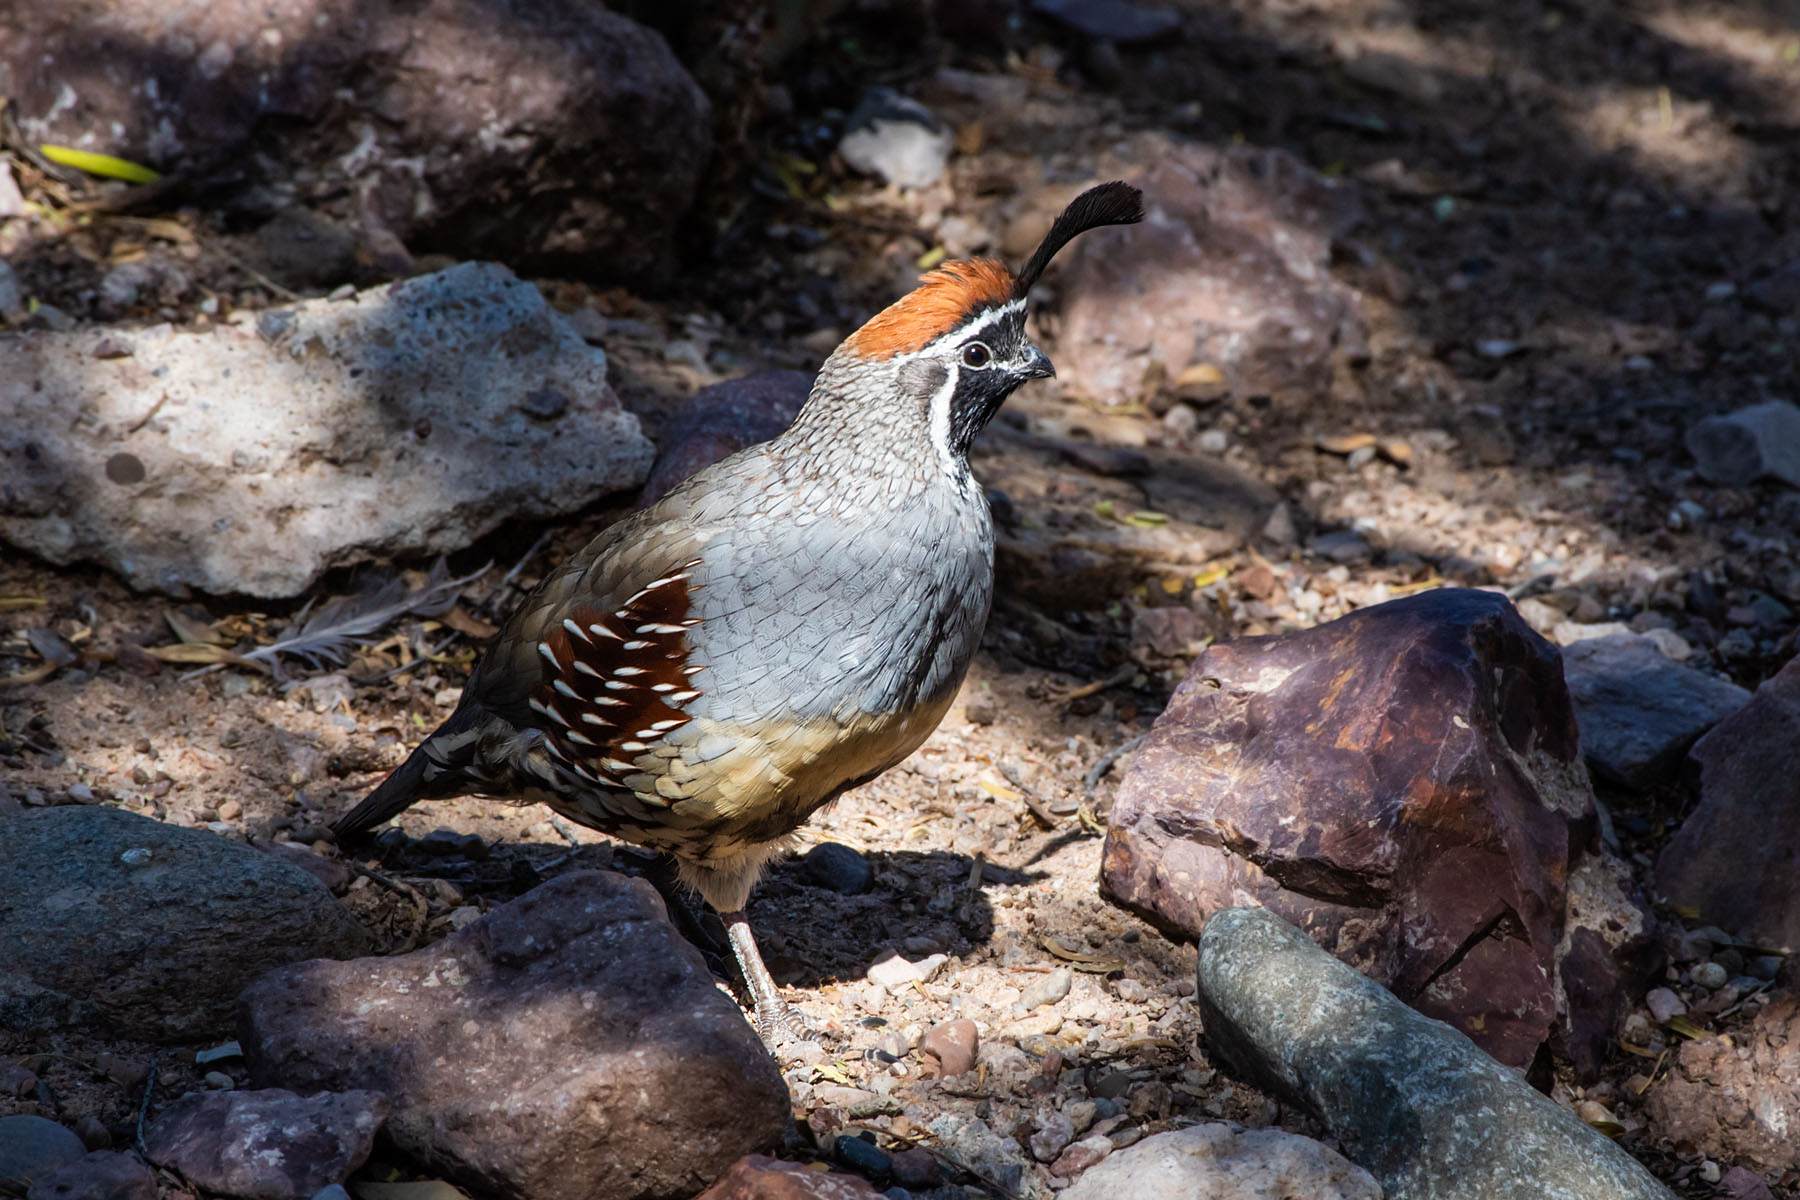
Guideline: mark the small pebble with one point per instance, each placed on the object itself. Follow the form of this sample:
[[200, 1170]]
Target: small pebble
[[219, 1081], [1082, 1155], [838, 868], [1709, 975], [93, 1132], [450, 843], [1710, 1172], [893, 973], [1055, 1132], [1664, 1004], [1046, 989], [864, 1157], [917, 1168], [954, 1043]]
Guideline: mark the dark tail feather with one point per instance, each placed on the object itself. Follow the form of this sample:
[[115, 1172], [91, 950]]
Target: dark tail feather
[[431, 770]]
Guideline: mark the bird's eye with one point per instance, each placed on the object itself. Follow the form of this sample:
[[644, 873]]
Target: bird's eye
[[976, 354]]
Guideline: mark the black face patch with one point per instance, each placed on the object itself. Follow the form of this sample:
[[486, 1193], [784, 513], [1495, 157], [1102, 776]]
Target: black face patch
[[980, 391]]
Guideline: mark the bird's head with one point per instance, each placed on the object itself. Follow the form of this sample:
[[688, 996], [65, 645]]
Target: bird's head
[[955, 346]]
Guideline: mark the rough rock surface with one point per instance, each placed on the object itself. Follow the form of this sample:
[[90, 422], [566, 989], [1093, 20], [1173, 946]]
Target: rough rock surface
[[720, 420], [410, 419], [570, 1043], [102, 1175], [1736, 449], [265, 1145], [1222, 1163], [1394, 1087], [563, 130], [1406, 785], [1638, 711], [1738, 1099], [1230, 269], [756, 1177], [117, 922], [1736, 857], [32, 1147]]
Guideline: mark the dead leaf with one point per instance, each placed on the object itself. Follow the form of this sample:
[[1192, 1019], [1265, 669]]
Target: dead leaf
[[465, 622], [204, 653], [192, 631], [1345, 443], [1092, 963], [15, 603]]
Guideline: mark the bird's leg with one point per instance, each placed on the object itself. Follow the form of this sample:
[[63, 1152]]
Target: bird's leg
[[775, 1021]]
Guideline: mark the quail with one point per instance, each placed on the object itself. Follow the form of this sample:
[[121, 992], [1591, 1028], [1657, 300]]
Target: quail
[[783, 626]]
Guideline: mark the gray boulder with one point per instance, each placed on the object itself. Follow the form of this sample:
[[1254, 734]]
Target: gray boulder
[[1411, 1099], [1749, 444], [568, 1044], [1639, 711], [408, 420], [1222, 1163], [127, 926], [32, 1147]]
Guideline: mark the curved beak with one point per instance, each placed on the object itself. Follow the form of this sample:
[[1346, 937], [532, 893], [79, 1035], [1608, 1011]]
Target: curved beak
[[1034, 364]]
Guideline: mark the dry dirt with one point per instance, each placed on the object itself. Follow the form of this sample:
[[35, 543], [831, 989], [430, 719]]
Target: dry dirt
[[1605, 185]]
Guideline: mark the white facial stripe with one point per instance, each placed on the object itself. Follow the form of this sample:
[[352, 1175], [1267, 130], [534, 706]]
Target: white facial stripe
[[940, 422]]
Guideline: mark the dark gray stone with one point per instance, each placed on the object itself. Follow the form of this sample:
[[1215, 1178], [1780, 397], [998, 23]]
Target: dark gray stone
[[1752, 443], [568, 1044], [156, 945], [1639, 711], [266, 1145], [1409, 1098], [1737, 855], [103, 1175], [32, 1147], [1111, 20], [837, 867]]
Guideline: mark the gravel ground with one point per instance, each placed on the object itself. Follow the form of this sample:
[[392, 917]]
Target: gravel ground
[[1574, 216]]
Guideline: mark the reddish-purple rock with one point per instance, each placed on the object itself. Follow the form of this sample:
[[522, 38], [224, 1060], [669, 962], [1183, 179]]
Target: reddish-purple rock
[[568, 1044], [1405, 785], [755, 1177], [720, 420], [265, 1145], [1737, 857], [1230, 269], [526, 130]]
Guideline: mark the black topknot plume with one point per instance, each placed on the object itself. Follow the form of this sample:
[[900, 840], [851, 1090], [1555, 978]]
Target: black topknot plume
[[1114, 203]]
